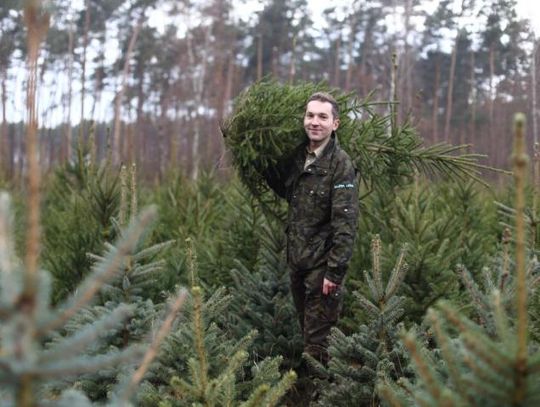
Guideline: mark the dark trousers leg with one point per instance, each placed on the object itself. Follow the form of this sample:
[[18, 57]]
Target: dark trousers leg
[[298, 291], [317, 312]]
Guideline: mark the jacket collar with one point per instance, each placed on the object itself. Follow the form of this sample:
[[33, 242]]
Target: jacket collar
[[324, 159]]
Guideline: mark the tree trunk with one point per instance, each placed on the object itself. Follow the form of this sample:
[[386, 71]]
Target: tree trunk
[[292, 68], [198, 92], [259, 57], [365, 53], [137, 134], [115, 144], [275, 63], [83, 67], [450, 93], [435, 115], [6, 158], [352, 35], [98, 84], [406, 65], [472, 135], [491, 104], [534, 102], [65, 147], [337, 62]]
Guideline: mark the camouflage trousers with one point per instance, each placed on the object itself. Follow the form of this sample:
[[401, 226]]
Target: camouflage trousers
[[317, 313]]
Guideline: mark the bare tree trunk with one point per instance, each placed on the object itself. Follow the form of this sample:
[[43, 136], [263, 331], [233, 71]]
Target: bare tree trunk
[[337, 62], [292, 68], [198, 92], [99, 77], [406, 65], [275, 64], [450, 93], [83, 67], [66, 145], [115, 145], [348, 77], [534, 101], [259, 57], [491, 104], [137, 134], [472, 135], [227, 93], [393, 95], [491, 86], [6, 159], [129, 149], [435, 116]]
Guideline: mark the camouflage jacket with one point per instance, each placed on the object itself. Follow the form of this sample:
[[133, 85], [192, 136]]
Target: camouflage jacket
[[323, 208]]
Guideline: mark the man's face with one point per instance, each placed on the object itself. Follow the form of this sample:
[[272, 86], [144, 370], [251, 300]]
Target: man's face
[[319, 122]]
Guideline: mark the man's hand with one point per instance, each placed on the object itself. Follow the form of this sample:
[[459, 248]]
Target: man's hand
[[328, 287]]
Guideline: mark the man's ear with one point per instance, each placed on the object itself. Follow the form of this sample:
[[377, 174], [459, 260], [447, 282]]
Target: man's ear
[[336, 124]]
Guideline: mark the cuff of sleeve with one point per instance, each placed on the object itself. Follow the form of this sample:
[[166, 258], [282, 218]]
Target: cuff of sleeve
[[335, 274]]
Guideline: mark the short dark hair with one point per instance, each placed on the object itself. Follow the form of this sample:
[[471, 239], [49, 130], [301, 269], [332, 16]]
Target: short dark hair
[[326, 97]]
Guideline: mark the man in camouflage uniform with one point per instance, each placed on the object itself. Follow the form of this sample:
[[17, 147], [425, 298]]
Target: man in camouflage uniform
[[318, 180]]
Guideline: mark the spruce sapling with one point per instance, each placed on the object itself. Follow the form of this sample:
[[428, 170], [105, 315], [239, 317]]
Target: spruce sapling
[[372, 353], [480, 367]]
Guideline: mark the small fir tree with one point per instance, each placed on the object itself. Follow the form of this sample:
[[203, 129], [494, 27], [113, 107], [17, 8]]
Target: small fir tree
[[373, 352], [413, 218], [493, 367], [77, 221], [29, 361], [201, 389], [129, 287], [261, 300], [200, 364]]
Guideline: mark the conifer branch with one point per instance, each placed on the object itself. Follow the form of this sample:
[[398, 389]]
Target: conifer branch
[[152, 250], [447, 351], [372, 287], [276, 393], [476, 341], [122, 213], [152, 351], [80, 365], [256, 398], [475, 294], [198, 330], [133, 210], [520, 167], [488, 380], [504, 331], [88, 335], [103, 272], [398, 274], [424, 370], [377, 275], [389, 395]]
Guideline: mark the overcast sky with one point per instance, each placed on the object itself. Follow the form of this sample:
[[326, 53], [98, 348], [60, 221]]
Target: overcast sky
[[529, 9]]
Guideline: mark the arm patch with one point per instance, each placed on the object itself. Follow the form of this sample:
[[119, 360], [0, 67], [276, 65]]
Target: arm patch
[[342, 186]]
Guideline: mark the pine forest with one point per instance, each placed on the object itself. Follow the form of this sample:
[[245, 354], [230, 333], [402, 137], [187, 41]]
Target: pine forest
[[145, 250]]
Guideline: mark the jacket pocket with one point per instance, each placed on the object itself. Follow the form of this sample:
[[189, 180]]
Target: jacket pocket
[[307, 253]]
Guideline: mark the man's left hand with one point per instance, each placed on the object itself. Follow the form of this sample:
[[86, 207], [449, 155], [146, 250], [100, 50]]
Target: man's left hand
[[329, 287]]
